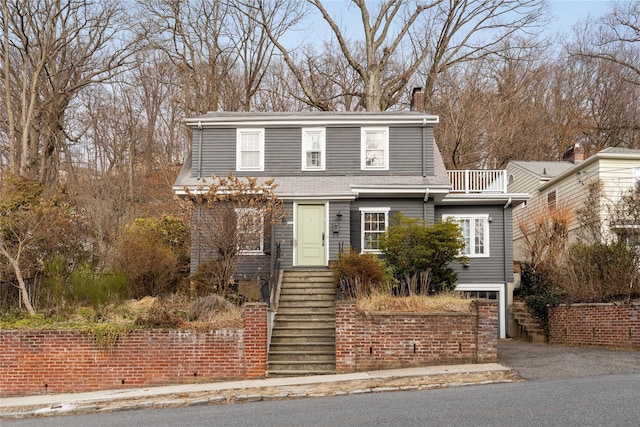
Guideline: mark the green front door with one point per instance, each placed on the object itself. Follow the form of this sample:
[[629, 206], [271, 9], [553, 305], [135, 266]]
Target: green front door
[[310, 235]]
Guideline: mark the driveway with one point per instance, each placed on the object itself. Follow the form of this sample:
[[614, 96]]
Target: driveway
[[549, 362]]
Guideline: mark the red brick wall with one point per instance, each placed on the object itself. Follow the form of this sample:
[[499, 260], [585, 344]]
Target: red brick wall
[[58, 361], [604, 325], [384, 341]]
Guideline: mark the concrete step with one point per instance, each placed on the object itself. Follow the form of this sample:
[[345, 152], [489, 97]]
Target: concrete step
[[307, 291], [301, 298], [308, 330], [304, 347], [306, 324], [285, 338], [294, 368], [306, 311], [307, 356]]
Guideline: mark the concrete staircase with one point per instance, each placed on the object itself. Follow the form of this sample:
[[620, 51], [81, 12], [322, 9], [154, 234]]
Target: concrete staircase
[[523, 325], [303, 340]]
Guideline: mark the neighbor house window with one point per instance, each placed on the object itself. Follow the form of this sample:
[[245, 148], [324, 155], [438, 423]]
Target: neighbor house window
[[475, 232], [552, 200], [313, 149], [636, 175], [374, 222], [250, 229], [375, 148], [250, 150]]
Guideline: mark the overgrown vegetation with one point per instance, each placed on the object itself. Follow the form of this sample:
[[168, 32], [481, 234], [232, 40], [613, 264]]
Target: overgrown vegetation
[[448, 302], [415, 264], [420, 255], [230, 216], [602, 266]]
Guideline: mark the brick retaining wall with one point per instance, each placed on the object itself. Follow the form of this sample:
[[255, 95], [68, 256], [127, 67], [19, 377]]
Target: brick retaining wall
[[58, 361], [394, 340], [605, 325]]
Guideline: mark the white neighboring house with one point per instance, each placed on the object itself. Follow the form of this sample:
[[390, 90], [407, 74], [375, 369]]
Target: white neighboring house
[[566, 183]]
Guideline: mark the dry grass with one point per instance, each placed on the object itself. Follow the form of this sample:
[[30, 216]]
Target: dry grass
[[444, 303]]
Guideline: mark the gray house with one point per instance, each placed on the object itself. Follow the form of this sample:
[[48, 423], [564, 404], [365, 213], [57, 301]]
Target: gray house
[[342, 175]]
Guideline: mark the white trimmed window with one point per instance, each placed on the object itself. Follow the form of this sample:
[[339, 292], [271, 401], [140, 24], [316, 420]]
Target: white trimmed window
[[636, 175], [250, 150], [475, 232], [375, 148], [313, 149], [374, 222], [552, 200], [250, 226]]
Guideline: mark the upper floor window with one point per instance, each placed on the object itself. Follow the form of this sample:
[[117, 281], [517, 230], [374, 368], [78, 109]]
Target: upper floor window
[[374, 222], [475, 232], [313, 149], [250, 150], [375, 148]]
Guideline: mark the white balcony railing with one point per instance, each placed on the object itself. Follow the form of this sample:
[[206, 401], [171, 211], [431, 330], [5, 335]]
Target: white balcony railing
[[478, 181]]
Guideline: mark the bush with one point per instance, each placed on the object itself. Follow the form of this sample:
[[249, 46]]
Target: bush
[[357, 274], [539, 292], [88, 287], [421, 254], [168, 313], [600, 273], [154, 256]]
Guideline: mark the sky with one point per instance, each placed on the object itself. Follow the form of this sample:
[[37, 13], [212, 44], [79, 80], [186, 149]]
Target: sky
[[568, 12], [565, 14]]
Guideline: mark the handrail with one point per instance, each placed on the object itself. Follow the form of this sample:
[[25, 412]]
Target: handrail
[[478, 181], [276, 281]]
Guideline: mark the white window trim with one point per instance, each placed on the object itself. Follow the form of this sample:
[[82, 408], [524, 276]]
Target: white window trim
[[636, 175], [473, 217], [364, 211], [323, 137], [239, 133], [256, 251], [363, 148]]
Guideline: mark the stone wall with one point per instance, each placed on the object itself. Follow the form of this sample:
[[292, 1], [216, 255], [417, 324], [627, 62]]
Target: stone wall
[[394, 340], [605, 325], [59, 361]]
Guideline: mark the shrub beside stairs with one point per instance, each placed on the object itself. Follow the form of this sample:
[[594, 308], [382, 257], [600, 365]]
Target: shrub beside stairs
[[525, 327], [303, 339]]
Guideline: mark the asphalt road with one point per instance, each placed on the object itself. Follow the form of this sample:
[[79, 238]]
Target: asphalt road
[[610, 400], [550, 362]]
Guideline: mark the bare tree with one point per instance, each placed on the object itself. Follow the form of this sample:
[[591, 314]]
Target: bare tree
[[615, 38], [401, 38], [231, 216], [51, 51]]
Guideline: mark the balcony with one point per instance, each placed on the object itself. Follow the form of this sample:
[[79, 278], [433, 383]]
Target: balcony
[[478, 181]]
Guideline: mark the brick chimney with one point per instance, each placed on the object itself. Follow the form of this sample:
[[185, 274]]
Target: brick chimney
[[417, 99], [574, 154]]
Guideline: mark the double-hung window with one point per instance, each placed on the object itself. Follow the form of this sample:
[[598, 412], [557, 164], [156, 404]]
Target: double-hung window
[[250, 229], [313, 149], [552, 200], [374, 148], [475, 232], [250, 150], [374, 222]]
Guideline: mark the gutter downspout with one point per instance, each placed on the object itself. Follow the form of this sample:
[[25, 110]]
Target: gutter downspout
[[199, 172], [506, 266], [424, 143]]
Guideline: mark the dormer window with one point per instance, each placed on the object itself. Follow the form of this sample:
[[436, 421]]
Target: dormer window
[[313, 149], [250, 150], [375, 148]]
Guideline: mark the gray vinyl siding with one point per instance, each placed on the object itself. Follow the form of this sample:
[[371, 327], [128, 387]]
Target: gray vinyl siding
[[415, 208], [283, 152], [341, 238], [284, 235], [218, 151], [495, 268], [248, 267]]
